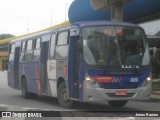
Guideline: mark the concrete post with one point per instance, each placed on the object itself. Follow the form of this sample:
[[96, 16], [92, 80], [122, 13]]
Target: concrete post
[[117, 12], [116, 7], [1, 64]]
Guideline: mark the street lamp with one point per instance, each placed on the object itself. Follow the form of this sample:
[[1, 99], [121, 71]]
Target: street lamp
[[52, 16], [65, 10]]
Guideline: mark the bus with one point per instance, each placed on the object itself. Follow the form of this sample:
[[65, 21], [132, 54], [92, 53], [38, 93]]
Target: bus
[[83, 62]]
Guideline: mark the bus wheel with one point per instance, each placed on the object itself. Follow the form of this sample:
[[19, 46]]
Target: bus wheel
[[63, 96], [117, 103], [25, 94]]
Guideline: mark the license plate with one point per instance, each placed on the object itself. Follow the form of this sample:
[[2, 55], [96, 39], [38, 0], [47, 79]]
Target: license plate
[[121, 92]]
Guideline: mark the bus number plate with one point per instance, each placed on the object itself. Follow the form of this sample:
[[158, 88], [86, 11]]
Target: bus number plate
[[121, 92]]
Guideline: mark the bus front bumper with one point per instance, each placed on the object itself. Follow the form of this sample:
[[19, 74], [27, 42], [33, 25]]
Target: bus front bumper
[[92, 93]]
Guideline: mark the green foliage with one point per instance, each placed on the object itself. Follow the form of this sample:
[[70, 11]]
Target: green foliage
[[4, 36]]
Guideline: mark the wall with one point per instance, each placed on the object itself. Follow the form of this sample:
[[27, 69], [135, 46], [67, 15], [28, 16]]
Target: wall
[[3, 55]]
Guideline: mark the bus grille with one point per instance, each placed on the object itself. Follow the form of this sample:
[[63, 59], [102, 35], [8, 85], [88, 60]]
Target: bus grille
[[119, 85]]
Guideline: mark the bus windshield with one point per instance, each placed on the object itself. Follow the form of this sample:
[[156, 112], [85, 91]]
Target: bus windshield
[[111, 45]]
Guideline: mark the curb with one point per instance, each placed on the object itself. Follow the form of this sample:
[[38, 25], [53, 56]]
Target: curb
[[155, 80], [155, 95]]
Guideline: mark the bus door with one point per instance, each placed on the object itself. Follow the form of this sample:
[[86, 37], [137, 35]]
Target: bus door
[[74, 67], [43, 68], [13, 66], [16, 67]]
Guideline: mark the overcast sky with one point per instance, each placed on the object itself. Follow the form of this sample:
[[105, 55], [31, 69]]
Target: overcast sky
[[16, 15]]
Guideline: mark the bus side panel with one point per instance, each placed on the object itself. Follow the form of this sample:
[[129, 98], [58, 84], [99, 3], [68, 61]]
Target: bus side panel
[[62, 69], [51, 71], [10, 75], [31, 71], [62, 63], [31, 86]]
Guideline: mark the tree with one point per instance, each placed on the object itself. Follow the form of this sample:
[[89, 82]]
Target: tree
[[5, 36]]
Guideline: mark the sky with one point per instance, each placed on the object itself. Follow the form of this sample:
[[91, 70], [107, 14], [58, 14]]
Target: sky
[[19, 17]]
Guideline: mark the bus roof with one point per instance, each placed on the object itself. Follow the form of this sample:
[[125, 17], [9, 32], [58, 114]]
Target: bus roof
[[4, 41], [79, 24], [29, 37], [92, 23]]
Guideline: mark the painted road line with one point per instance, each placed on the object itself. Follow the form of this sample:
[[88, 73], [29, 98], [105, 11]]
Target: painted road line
[[23, 108]]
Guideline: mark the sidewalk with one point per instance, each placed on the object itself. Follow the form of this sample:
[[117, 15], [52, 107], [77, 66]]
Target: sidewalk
[[155, 80], [155, 95]]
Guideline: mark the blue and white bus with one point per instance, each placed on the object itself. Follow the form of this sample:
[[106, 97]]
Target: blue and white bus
[[84, 62]]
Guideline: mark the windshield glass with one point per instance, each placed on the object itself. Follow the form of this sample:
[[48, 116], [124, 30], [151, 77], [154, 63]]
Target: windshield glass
[[106, 45]]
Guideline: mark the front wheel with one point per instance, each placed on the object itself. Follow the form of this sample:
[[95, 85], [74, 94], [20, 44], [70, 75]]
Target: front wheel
[[63, 98], [117, 103]]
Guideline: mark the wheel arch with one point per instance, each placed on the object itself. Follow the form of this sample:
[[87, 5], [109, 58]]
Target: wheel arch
[[23, 76], [63, 95], [59, 81]]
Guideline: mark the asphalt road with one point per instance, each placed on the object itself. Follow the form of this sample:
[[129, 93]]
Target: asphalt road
[[11, 97]]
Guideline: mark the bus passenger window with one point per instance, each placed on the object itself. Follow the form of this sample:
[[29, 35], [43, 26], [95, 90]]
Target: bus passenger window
[[36, 53], [29, 45], [13, 48], [29, 51], [11, 56], [23, 46], [38, 43], [22, 51], [52, 46], [63, 38], [62, 45]]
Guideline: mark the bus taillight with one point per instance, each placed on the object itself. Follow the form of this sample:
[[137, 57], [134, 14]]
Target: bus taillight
[[65, 71]]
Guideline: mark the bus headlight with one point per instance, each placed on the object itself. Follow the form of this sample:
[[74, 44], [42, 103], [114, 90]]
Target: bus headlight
[[147, 81], [90, 80]]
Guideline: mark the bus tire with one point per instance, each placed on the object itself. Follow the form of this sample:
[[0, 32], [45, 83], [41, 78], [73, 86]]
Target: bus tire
[[25, 93], [63, 96], [120, 103]]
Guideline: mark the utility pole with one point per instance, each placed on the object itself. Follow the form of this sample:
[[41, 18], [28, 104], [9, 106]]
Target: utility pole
[[117, 12], [116, 7], [65, 10], [27, 26]]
